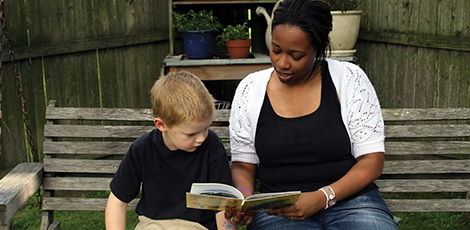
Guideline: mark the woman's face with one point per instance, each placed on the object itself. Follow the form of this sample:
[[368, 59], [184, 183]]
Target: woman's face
[[292, 55]]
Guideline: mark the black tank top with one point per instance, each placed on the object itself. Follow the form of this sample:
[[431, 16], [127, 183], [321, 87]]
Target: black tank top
[[303, 153]]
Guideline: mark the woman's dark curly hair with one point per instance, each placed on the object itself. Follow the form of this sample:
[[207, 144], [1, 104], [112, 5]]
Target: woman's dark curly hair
[[311, 16]]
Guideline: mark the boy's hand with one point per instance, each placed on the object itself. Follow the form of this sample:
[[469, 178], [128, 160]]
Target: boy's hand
[[239, 218]]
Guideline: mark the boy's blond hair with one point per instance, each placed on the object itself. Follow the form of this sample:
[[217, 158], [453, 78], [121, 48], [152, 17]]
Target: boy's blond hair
[[181, 97]]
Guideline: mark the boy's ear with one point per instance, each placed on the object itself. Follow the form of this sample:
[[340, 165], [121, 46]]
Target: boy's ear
[[160, 124]]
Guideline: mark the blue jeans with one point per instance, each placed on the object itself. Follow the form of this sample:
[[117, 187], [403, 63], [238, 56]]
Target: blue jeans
[[368, 211]]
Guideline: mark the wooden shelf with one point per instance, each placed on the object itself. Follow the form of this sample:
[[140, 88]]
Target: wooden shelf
[[182, 60], [208, 2], [217, 69], [223, 69]]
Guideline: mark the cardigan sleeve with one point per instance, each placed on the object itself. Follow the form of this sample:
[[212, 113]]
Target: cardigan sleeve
[[241, 135], [363, 117], [246, 107]]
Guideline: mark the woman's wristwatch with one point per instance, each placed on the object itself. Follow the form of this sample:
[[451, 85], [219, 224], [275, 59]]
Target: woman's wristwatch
[[330, 196]]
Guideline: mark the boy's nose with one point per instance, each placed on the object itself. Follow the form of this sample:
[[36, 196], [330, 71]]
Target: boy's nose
[[200, 138]]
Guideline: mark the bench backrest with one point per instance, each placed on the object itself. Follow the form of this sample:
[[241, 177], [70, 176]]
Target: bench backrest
[[84, 146]]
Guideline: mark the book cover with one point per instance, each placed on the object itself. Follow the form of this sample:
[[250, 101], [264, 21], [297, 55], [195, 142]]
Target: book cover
[[216, 196]]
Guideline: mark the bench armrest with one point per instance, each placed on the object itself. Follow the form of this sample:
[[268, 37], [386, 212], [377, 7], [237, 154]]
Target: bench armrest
[[17, 187]]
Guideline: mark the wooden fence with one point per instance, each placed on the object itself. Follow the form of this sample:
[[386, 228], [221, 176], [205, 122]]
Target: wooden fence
[[81, 53], [108, 53], [417, 52]]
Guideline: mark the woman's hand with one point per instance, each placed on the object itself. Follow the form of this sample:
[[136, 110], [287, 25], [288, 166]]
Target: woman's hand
[[366, 170], [239, 218], [307, 205]]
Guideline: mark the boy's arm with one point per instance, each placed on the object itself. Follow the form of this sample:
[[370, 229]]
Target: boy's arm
[[223, 223], [115, 214]]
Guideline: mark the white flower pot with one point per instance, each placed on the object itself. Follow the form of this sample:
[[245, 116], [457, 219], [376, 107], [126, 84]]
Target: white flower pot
[[343, 37]]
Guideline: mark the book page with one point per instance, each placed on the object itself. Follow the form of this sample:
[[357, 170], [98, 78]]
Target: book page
[[216, 189], [273, 194], [269, 201]]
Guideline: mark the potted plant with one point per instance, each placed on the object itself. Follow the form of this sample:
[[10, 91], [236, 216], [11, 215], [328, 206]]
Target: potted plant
[[198, 31], [237, 40], [346, 23]]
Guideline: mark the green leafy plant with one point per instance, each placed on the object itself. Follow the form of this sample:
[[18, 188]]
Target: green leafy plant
[[238, 32], [343, 5], [200, 21]]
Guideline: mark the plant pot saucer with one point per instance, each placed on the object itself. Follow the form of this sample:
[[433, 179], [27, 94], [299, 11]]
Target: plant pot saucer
[[342, 53]]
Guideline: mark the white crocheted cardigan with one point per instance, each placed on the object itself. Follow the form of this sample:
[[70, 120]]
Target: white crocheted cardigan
[[360, 110]]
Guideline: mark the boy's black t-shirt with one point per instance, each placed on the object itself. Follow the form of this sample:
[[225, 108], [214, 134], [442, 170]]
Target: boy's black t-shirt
[[167, 175]]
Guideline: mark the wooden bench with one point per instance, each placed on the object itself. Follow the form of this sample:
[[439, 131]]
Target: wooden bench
[[427, 150]]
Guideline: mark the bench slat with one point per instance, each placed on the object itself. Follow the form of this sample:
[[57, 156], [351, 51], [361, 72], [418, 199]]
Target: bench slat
[[80, 204], [77, 183], [94, 147], [80, 166], [113, 114], [427, 114], [433, 205], [107, 131], [392, 185], [395, 205], [127, 114], [405, 131], [424, 185], [390, 167], [90, 147], [96, 131], [426, 166], [427, 148]]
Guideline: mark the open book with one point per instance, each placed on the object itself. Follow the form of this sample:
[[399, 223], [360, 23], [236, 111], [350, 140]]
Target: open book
[[216, 196]]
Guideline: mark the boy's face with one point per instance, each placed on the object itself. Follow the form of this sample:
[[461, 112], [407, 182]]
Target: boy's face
[[186, 136]]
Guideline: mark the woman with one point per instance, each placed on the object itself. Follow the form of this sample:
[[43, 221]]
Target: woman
[[310, 124]]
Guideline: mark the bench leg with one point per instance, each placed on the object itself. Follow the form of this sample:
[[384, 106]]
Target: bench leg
[[467, 214], [9, 226], [47, 216], [54, 226]]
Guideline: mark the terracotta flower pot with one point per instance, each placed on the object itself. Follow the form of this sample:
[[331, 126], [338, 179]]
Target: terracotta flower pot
[[238, 48]]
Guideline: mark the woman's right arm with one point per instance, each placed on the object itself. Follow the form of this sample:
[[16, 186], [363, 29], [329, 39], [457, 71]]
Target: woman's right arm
[[243, 176]]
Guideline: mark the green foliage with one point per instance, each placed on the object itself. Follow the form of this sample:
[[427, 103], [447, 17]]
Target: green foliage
[[343, 5], [230, 33], [192, 21]]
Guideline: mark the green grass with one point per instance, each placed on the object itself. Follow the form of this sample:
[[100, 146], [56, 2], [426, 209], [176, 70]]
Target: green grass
[[29, 217], [431, 220]]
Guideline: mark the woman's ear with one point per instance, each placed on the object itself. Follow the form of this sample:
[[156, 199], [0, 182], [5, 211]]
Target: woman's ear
[[160, 124]]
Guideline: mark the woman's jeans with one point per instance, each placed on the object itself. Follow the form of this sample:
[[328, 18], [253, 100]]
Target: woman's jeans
[[368, 211]]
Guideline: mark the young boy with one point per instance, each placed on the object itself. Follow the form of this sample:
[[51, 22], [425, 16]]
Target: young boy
[[166, 161]]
